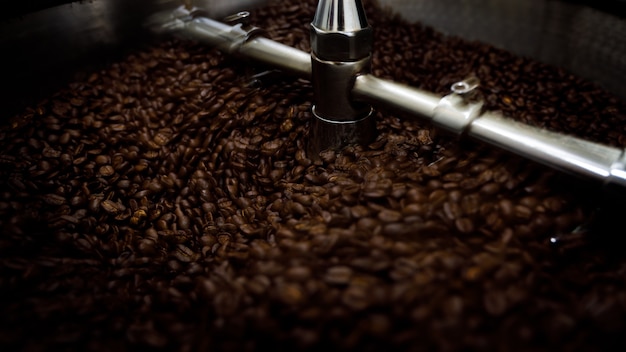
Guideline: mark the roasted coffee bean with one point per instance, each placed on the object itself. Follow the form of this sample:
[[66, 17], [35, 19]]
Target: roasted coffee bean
[[338, 275]]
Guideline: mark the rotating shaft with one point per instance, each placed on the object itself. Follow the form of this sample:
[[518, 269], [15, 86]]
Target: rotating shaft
[[341, 44]]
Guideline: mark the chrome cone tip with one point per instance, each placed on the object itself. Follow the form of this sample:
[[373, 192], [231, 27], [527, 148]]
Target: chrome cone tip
[[340, 32], [340, 16]]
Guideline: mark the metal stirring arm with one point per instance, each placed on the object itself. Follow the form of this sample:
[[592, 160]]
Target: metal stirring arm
[[452, 112], [236, 38]]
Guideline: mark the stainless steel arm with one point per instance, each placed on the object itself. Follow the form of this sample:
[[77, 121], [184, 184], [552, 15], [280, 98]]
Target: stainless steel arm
[[278, 55], [559, 151], [553, 149], [451, 112], [398, 97], [238, 39]]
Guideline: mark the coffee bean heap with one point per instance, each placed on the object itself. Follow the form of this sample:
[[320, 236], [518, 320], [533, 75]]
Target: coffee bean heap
[[167, 202]]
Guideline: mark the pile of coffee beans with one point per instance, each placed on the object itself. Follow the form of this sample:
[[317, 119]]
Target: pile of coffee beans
[[167, 202]]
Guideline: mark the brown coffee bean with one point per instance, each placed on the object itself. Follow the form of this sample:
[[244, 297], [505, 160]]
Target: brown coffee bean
[[338, 275], [388, 215], [464, 225]]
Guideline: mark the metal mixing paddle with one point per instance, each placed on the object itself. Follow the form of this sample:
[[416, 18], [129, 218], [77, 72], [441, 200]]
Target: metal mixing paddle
[[338, 68]]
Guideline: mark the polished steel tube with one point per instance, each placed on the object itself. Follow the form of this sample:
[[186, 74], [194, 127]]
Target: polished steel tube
[[341, 45], [559, 151], [237, 39], [277, 55], [397, 97]]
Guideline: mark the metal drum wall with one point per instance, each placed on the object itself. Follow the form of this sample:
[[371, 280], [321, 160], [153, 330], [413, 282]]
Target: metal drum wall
[[586, 38]]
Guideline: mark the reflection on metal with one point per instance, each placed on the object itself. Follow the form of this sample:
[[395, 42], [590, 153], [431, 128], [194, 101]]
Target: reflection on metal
[[341, 44]]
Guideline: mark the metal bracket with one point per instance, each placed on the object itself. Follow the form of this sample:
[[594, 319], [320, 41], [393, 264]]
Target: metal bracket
[[456, 111]]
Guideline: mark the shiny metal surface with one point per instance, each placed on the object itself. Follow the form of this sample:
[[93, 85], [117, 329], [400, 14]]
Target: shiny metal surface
[[556, 150], [341, 44], [340, 16], [332, 84], [326, 134], [406, 100], [238, 39], [266, 50], [340, 32]]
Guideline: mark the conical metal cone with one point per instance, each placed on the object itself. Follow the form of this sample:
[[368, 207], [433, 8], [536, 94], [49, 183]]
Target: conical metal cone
[[340, 31]]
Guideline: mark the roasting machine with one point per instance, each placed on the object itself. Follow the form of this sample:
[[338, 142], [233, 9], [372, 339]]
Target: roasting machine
[[135, 213]]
